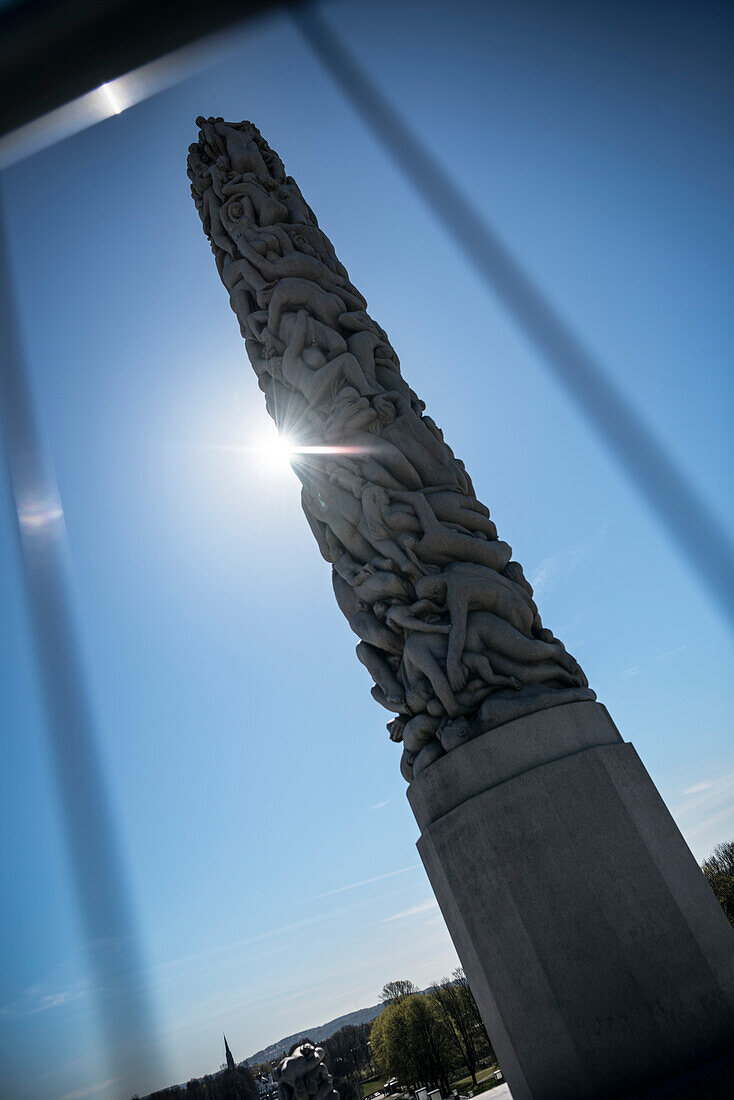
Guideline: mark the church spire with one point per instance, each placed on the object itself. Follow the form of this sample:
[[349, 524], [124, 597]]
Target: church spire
[[228, 1054]]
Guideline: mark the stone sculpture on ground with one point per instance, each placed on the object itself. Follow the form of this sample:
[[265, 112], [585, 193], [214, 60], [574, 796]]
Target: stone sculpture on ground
[[303, 1075], [449, 630], [596, 951]]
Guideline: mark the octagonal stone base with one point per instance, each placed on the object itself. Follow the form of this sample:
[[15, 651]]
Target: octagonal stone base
[[599, 957]]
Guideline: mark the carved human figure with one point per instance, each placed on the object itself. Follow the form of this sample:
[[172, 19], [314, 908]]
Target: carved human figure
[[423, 667], [445, 619], [303, 1075], [305, 367], [463, 587]]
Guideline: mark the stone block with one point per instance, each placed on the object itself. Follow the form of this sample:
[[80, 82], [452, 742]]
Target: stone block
[[600, 959]]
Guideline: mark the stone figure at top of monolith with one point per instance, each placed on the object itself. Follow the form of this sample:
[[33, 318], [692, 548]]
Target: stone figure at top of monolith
[[303, 1075], [448, 628], [597, 953]]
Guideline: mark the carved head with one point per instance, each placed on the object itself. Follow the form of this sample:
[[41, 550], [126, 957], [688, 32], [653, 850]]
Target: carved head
[[431, 588], [395, 729]]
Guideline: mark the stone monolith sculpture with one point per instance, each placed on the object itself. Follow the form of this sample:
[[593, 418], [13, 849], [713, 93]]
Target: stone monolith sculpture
[[598, 955]]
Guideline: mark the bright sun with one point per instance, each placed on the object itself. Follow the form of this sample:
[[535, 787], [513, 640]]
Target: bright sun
[[273, 451], [281, 449]]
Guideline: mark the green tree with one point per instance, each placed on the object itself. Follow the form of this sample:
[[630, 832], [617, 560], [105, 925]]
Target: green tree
[[719, 870], [412, 1040]]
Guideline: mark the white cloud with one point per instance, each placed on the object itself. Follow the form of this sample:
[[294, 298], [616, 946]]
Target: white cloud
[[424, 908], [39, 998], [713, 821], [379, 805], [559, 566], [55, 1000], [555, 568], [709, 793], [91, 1090], [635, 670], [364, 882], [172, 970], [698, 787], [706, 813], [669, 653]]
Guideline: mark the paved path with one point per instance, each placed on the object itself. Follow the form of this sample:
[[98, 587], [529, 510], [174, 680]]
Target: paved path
[[501, 1092]]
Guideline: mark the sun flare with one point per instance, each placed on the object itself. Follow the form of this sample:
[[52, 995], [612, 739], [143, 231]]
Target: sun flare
[[277, 450]]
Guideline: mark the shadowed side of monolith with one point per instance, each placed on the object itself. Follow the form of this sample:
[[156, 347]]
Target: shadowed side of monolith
[[599, 957], [584, 924]]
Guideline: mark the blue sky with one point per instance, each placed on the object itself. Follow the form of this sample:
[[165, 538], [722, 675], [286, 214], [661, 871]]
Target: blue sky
[[267, 839]]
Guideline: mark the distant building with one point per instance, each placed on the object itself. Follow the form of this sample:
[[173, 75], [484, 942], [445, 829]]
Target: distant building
[[267, 1088], [220, 1083]]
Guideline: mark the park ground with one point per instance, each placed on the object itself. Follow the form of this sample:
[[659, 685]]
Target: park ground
[[462, 1085]]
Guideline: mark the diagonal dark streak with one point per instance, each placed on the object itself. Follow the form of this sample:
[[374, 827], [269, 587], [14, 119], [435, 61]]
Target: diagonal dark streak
[[666, 488], [99, 880]]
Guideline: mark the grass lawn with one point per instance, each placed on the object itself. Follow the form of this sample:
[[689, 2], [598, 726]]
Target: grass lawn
[[372, 1084], [484, 1081]]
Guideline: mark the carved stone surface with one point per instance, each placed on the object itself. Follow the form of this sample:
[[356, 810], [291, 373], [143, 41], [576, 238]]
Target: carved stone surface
[[448, 628], [304, 1076]]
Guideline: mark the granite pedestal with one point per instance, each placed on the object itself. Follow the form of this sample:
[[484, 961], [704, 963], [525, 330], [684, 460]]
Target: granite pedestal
[[600, 959]]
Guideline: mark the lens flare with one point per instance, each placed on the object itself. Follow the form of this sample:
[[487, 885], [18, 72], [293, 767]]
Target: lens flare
[[276, 451], [279, 450]]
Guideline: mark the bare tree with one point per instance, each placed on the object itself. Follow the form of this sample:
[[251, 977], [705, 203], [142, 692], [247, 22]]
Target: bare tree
[[453, 999], [719, 870], [395, 991]]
